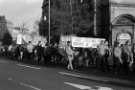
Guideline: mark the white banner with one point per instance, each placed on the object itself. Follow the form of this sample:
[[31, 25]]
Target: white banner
[[19, 39], [36, 39], [84, 42], [64, 40]]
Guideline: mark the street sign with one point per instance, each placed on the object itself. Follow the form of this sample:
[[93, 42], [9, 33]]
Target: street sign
[[124, 36]]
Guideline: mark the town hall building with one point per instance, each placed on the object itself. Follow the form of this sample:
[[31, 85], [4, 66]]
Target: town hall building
[[122, 18], [115, 20]]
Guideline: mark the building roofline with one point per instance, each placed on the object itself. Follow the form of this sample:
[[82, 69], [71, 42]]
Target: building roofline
[[123, 4]]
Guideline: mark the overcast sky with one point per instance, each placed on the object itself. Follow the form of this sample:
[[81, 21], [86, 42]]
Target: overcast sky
[[26, 11], [21, 11]]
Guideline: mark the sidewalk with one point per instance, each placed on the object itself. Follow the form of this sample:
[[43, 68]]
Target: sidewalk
[[103, 77]]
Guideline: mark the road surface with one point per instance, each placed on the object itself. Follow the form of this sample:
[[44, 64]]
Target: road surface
[[21, 76]]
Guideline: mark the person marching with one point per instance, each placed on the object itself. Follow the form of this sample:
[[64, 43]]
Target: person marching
[[102, 53], [30, 49], [127, 57], [130, 56], [106, 63], [70, 56], [38, 51], [117, 52], [20, 42]]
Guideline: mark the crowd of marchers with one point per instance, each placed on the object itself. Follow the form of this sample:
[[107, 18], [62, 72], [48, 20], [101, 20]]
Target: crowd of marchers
[[119, 58]]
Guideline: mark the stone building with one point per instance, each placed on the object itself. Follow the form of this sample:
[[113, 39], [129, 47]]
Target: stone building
[[122, 21], [115, 20]]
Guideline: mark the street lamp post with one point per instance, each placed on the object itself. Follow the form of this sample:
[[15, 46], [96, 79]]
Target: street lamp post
[[95, 17], [71, 12], [49, 21]]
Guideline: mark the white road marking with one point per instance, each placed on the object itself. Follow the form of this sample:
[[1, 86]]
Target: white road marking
[[69, 74], [10, 79], [29, 86], [82, 87], [28, 66], [103, 88]]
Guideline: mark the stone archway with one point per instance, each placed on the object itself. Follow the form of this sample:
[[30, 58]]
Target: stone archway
[[123, 27], [124, 19], [118, 9]]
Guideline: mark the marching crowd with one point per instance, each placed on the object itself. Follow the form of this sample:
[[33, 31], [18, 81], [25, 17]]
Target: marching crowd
[[118, 58]]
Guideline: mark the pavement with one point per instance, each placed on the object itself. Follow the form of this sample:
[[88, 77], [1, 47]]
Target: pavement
[[16, 75], [93, 74], [101, 79], [96, 75]]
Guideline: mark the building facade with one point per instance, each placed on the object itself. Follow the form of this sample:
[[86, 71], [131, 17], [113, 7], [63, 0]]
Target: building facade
[[123, 22], [114, 20]]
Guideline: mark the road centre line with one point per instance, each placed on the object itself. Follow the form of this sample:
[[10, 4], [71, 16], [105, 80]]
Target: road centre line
[[28, 66], [29, 86]]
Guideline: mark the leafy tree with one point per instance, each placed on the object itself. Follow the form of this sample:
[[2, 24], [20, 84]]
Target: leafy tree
[[83, 18], [7, 39], [62, 17]]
